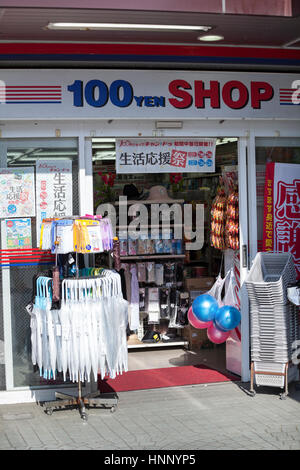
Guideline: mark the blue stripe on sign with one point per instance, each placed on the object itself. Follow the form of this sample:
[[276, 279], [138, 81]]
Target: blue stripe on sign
[[289, 104]]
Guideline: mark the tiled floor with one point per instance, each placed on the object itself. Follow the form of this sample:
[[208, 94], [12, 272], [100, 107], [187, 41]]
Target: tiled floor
[[174, 357]]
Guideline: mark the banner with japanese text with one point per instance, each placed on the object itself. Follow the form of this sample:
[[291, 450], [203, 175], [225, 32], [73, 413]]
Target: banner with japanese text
[[17, 192], [281, 230], [164, 155], [53, 190]]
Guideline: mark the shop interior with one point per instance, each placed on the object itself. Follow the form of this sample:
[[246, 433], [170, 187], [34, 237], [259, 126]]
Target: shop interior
[[196, 270], [156, 343]]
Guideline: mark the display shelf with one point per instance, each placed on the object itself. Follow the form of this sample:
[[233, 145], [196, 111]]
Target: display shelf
[[158, 345], [149, 201], [157, 256], [124, 227]]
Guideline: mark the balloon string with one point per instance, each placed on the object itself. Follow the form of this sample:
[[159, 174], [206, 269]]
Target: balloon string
[[238, 333]]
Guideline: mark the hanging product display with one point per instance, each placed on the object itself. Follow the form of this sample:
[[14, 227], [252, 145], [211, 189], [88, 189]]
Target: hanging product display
[[232, 220], [210, 311], [87, 335], [76, 234], [218, 220], [86, 332]]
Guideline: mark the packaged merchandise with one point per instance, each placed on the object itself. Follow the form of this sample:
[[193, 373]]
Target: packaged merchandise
[[142, 303], [159, 246], [141, 268], [179, 249], [88, 236], [167, 246], [182, 310], [153, 305], [46, 234], [132, 246], [150, 265], [159, 274], [164, 303], [123, 243], [142, 244], [150, 246], [62, 236], [169, 273]]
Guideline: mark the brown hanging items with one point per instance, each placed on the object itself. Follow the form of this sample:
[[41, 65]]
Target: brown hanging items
[[218, 219], [232, 220]]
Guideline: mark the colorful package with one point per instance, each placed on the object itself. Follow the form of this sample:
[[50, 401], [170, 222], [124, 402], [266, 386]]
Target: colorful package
[[150, 271], [159, 274], [123, 243], [132, 246]]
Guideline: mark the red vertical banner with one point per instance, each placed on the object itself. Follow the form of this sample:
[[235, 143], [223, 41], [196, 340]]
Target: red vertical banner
[[268, 223]]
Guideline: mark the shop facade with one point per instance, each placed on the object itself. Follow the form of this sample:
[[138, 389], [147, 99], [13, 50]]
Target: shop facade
[[54, 114]]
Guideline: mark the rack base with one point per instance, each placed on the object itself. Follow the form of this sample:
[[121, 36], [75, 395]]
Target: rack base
[[284, 374], [92, 399]]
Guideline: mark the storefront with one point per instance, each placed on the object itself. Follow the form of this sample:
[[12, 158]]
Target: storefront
[[80, 116]]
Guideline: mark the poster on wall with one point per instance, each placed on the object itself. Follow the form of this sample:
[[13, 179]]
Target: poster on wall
[[53, 190], [17, 192], [281, 228], [165, 155], [18, 233]]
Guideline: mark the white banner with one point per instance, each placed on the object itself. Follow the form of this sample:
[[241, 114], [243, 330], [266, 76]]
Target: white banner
[[17, 192], [53, 190], [164, 155], [144, 94]]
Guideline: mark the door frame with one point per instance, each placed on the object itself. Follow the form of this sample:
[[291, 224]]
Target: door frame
[[42, 392]]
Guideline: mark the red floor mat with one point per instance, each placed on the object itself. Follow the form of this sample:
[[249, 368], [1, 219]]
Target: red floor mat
[[165, 377]]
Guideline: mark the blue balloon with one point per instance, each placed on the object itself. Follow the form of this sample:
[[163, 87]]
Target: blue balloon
[[205, 307], [227, 318]]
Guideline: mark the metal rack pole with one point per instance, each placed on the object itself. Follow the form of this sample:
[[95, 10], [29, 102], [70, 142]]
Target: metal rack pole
[[62, 399]]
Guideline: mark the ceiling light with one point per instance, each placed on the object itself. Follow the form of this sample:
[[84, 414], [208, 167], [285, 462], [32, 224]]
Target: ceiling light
[[120, 26], [168, 124], [210, 37]]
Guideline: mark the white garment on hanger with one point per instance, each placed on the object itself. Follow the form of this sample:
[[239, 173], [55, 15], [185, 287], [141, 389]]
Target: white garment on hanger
[[87, 334]]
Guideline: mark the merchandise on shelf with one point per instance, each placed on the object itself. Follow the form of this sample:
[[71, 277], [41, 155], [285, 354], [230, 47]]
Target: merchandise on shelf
[[232, 220], [218, 220]]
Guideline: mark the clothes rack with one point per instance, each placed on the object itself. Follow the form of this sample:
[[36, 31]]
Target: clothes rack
[[95, 399], [92, 399]]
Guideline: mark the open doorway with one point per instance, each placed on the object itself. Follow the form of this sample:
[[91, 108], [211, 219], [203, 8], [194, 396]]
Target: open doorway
[[195, 271]]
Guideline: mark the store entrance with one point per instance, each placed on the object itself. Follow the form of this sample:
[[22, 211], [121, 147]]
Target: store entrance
[[164, 275]]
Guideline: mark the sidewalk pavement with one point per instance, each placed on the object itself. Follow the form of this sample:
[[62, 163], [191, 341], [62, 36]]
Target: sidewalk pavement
[[215, 416]]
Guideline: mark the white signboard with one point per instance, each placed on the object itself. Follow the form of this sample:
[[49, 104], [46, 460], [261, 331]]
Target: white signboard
[[165, 155], [17, 192], [53, 190], [147, 94]]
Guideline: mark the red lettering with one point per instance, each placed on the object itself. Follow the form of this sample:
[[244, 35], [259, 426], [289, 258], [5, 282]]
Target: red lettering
[[186, 99], [260, 91], [213, 93], [227, 94]]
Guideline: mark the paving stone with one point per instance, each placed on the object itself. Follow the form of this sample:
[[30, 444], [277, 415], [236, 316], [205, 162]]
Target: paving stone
[[218, 416]]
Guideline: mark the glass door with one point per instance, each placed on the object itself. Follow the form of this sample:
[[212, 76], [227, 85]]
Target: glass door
[[17, 280]]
